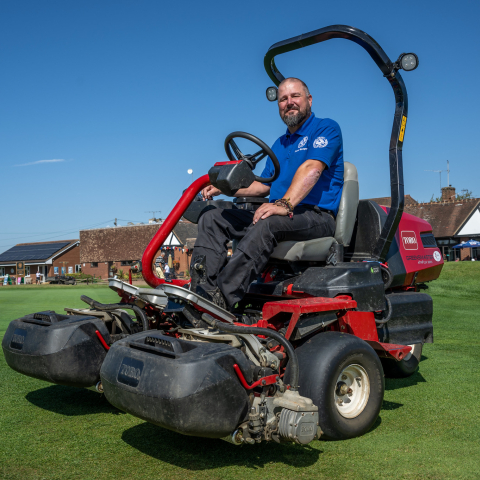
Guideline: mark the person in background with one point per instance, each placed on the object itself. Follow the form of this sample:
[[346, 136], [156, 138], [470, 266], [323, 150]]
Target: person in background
[[159, 265], [166, 269], [38, 276]]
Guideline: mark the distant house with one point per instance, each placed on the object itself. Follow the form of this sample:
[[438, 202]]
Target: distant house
[[106, 251], [453, 221], [48, 258]]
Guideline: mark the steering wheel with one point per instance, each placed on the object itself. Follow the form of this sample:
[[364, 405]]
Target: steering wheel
[[252, 160]]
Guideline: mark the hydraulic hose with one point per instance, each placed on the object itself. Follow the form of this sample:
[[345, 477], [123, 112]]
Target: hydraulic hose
[[383, 321], [292, 356], [105, 307]]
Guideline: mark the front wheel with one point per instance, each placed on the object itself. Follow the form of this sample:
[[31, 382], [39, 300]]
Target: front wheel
[[343, 376], [406, 367]]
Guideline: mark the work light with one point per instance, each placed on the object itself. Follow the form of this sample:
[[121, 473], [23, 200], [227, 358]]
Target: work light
[[407, 61], [271, 94]]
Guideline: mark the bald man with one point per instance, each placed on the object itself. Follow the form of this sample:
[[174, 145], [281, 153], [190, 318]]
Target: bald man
[[303, 202]]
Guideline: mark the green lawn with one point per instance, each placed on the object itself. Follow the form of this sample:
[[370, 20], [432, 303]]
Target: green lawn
[[429, 427]]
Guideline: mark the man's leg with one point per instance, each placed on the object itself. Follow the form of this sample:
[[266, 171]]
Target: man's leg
[[254, 250], [215, 229]]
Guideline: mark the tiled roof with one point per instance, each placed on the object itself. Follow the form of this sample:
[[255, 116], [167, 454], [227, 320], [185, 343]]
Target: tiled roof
[[386, 201], [445, 218], [185, 230], [125, 243]]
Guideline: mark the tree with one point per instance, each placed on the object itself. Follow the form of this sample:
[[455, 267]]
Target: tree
[[465, 195]]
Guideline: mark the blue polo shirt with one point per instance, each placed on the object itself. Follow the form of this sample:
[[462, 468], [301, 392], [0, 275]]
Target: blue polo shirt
[[317, 139]]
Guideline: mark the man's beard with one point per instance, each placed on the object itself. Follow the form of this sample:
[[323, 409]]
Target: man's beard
[[298, 118]]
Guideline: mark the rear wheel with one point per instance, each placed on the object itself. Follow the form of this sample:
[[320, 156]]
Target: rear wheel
[[343, 376], [407, 366]]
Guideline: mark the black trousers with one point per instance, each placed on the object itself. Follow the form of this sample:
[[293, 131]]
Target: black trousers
[[256, 243]]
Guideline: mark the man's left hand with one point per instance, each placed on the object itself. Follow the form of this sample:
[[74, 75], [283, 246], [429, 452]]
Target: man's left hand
[[268, 209]]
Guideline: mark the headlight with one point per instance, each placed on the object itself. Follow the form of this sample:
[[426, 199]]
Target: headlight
[[408, 61], [271, 94]]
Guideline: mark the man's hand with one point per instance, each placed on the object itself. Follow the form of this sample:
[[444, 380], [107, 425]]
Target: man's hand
[[268, 209], [209, 192]]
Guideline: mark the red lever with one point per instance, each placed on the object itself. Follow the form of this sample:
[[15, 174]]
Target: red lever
[[102, 340], [269, 380]]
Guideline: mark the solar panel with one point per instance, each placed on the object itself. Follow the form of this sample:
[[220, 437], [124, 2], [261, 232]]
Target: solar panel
[[31, 252]]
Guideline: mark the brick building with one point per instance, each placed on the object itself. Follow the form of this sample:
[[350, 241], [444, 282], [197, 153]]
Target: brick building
[[106, 251], [453, 221], [49, 258]]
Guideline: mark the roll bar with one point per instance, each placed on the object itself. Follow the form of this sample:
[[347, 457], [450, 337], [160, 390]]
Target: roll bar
[[167, 226], [399, 120]]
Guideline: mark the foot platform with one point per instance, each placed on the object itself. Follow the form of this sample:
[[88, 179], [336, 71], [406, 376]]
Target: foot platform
[[176, 293]]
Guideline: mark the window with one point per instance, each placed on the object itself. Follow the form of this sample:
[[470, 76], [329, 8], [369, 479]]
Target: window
[[78, 268], [27, 270], [55, 270], [126, 263], [94, 264], [2, 271]]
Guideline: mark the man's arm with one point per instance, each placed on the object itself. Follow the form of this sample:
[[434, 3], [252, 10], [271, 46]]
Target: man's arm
[[305, 178], [256, 189]]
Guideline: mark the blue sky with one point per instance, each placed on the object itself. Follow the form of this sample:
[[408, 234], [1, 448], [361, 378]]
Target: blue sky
[[107, 104]]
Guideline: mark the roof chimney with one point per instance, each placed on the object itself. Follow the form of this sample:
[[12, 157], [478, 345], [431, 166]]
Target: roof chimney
[[448, 194]]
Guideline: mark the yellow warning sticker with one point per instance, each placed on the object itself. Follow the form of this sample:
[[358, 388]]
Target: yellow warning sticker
[[402, 128]]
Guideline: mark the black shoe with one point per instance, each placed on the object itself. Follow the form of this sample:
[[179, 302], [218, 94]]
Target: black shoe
[[215, 296]]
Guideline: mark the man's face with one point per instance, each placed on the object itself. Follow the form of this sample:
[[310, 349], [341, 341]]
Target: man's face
[[294, 105]]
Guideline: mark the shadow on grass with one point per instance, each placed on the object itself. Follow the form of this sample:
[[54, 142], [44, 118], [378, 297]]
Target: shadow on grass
[[70, 401], [195, 453], [386, 405], [377, 423], [396, 383]]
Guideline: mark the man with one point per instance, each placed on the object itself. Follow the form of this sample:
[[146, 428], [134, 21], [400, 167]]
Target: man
[[304, 201], [37, 275], [167, 271], [159, 264]]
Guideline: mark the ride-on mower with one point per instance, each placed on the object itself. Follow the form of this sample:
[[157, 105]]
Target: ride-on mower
[[303, 354]]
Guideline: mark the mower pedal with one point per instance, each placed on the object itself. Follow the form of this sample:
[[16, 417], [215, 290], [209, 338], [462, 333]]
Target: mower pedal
[[200, 303]]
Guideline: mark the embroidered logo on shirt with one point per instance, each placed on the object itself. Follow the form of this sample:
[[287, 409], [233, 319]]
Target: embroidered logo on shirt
[[302, 142], [320, 142]]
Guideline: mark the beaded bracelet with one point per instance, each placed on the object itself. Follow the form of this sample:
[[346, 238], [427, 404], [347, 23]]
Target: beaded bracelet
[[285, 203]]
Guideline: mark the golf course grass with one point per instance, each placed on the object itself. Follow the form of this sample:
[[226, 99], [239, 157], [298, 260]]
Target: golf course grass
[[429, 427]]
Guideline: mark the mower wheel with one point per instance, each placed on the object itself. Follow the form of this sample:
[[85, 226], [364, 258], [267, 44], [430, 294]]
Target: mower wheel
[[405, 367], [343, 376]]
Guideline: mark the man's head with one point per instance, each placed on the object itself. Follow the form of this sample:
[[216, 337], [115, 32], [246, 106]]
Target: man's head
[[294, 102]]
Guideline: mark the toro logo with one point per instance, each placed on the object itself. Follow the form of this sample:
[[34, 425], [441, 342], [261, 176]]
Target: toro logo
[[18, 338], [409, 240], [130, 371]]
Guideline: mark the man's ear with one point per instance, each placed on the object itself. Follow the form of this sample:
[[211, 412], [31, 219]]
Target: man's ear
[[309, 98]]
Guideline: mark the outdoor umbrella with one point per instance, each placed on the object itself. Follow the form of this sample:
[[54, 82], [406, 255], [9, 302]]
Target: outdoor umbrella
[[469, 244]]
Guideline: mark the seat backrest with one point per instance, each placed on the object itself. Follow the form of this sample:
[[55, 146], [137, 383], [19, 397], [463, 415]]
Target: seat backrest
[[347, 211]]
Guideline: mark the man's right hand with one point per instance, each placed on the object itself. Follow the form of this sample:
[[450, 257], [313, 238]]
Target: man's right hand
[[209, 192]]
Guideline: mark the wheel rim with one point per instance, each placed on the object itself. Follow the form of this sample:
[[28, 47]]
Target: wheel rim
[[352, 391]]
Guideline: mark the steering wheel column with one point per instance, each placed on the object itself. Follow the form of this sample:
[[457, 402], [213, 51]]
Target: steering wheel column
[[237, 173], [229, 177]]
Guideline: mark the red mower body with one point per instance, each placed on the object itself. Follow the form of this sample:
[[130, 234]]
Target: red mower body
[[421, 260]]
